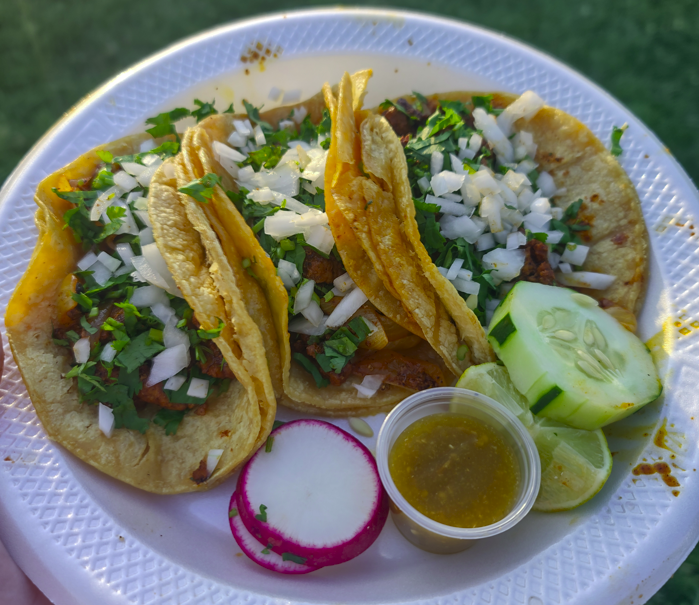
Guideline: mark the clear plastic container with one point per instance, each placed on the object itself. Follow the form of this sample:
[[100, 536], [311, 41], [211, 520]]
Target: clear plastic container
[[424, 532]]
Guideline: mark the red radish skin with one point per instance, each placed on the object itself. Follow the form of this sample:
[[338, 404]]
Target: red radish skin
[[253, 549], [316, 555]]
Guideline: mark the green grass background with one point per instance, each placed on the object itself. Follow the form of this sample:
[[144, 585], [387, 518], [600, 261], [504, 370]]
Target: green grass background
[[644, 52]]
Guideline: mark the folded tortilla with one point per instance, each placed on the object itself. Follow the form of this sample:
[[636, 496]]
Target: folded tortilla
[[581, 165], [295, 386], [236, 421]]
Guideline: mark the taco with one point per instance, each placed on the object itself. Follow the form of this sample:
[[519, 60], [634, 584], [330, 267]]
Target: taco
[[122, 330], [345, 343], [494, 188]]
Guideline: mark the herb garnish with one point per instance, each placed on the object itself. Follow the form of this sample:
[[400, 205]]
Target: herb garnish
[[263, 514]]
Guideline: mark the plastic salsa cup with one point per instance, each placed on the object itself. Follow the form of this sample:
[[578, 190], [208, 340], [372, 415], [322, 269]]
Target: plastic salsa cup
[[430, 535]]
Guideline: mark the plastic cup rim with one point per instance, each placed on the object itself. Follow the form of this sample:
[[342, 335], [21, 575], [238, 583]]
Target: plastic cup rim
[[529, 454]]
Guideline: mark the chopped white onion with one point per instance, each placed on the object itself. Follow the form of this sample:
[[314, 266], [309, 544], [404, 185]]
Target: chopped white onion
[[446, 182], [87, 261], [501, 236], [158, 265], [243, 127], [462, 226], [126, 253], [565, 267], [370, 385], [151, 159], [125, 180], [128, 225], [313, 313], [282, 224], [300, 325], [348, 306], [299, 113], [199, 388], [259, 136], [174, 383], [485, 242], [145, 236], [466, 286], [236, 139], [167, 363], [424, 184], [109, 261], [100, 273], [557, 213], [212, 461], [485, 183], [493, 134], [436, 162], [490, 208], [454, 269], [448, 207], [164, 312], [133, 168], [506, 264], [546, 184], [515, 240], [147, 146], [554, 259], [304, 296], [104, 201], [585, 279], [173, 336], [457, 164], [145, 177], [225, 151], [344, 283], [537, 222], [526, 106], [516, 181], [553, 237], [148, 296], [466, 154], [465, 274], [541, 205], [575, 254], [108, 353], [475, 142], [81, 350], [105, 417], [289, 269]]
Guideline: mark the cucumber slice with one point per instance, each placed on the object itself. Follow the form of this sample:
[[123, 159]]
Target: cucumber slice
[[572, 361]]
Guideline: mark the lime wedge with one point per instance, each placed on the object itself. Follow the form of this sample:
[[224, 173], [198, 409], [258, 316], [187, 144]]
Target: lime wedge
[[575, 463]]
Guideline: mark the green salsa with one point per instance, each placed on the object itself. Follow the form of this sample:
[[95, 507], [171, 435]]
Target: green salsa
[[456, 470]]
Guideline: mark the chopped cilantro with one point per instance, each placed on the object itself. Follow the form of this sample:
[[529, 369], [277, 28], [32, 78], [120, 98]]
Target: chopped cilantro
[[104, 155], [203, 110], [229, 109], [213, 333], [266, 550], [232, 513], [163, 123], [169, 419], [139, 350], [125, 416], [87, 326], [166, 149], [287, 556], [254, 115], [308, 365], [268, 444], [277, 424], [202, 190], [617, 133], [103, 179], [263, 514], [74, 336]]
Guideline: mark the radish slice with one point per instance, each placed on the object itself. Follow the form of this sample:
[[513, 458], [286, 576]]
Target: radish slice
[[316, 495], [253, 549]]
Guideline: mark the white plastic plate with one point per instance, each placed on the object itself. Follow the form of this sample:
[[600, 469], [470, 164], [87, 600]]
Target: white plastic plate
[[84, 538]]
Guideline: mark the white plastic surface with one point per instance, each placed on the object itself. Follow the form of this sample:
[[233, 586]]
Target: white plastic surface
[[84, 538]]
